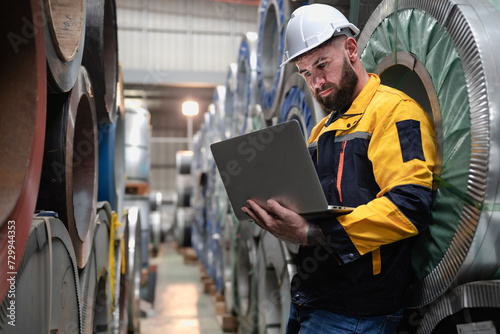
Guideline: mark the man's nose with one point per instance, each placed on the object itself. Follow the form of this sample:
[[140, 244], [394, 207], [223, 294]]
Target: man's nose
[[318, 80]]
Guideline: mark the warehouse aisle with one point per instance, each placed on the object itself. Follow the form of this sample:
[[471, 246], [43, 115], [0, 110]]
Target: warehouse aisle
[[180, 305]]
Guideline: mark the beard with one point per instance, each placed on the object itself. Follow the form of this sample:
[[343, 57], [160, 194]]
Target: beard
[[341, 96]]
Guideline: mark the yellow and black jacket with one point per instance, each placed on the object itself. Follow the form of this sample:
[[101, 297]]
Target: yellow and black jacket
[[378, 157]]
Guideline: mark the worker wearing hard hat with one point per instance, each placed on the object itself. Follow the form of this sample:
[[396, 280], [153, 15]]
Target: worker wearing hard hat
[[375, 151]]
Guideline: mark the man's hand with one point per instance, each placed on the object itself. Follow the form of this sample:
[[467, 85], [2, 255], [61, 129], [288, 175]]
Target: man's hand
[[281, 222]]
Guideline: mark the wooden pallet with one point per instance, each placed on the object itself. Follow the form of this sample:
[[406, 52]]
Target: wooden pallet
[[189, 255], [228, 322], [136, 188]]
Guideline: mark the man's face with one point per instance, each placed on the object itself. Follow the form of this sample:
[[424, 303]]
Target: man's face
[[330, 76]]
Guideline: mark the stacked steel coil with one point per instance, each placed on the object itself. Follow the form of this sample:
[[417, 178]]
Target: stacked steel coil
[[448, 68], [61, 84]]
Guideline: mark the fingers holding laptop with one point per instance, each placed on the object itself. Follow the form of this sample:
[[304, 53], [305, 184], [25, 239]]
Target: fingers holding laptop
[[281, 222]]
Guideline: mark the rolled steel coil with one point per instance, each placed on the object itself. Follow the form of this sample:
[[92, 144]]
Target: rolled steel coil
[[217, 209], [119, 170], [229, 102], [247, 92], [107, 188], [275, 270], [119, 288], [120, 92], [183, 222], [199, 214], [95, 278], [124, 283], [100, 56], [141, 202], [450, 68], [246, 277], [229, 247], [68, 183], [22, 125], [471, 303], [298, 103], [183, 162], [64, 24], [272, 18], [44, 294], [137, 145], [133, 251], [218, 108], [357, 11]]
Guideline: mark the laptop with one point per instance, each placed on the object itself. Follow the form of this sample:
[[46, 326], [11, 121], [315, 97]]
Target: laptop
[[272, 163]]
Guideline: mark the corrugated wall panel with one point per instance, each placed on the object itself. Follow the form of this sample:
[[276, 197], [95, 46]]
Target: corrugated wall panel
[[181, 35], [213, 53], [131, 46]]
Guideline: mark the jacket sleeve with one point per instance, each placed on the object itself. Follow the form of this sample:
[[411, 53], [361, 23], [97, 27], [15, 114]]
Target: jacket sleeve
[[402, 151]]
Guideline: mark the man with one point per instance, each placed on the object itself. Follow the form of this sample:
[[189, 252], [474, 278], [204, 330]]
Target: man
[[375, 152]]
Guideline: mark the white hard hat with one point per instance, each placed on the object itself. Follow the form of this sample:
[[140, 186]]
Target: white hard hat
[[311, 25]]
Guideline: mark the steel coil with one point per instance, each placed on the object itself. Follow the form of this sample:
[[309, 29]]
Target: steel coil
[[198, 224], [216, 210], [100, 56], [272, 18], [118, 306], [183, 177], [107, 188], [274, 274], [119, 170], [357, 11], [95, 278], [64, 23], [137, 145], [22, 124], [133, 250], [247, 92], [123, 301], [183, 222], [141, 202], [103, 298], [298, 103], [471, 303], [69, 174], [450, 68], [229, 102], [229, 261], [45, 295], [246, 277], [120, 94]]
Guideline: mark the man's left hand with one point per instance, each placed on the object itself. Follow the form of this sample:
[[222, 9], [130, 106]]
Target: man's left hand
[[281, 222]]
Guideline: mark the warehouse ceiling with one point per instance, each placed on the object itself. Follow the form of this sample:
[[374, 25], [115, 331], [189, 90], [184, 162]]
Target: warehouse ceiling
[[165, 105]]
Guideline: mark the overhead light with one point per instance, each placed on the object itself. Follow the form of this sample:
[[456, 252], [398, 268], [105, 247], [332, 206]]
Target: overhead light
[[190, 108]]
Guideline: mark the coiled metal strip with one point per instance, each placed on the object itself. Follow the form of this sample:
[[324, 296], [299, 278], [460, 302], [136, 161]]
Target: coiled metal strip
[[69, 174], [474, 30], [22, 124]]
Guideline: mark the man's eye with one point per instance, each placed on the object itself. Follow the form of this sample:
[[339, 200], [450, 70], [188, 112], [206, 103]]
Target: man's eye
[[322, 65], [306, 74]]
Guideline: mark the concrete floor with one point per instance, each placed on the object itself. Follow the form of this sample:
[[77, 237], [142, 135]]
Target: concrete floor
[[180, 304]]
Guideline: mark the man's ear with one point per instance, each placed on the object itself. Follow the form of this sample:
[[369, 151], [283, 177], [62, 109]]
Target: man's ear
[[351, 48]]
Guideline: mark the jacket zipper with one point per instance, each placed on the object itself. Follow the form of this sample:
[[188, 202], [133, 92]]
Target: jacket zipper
[[340, 170]]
